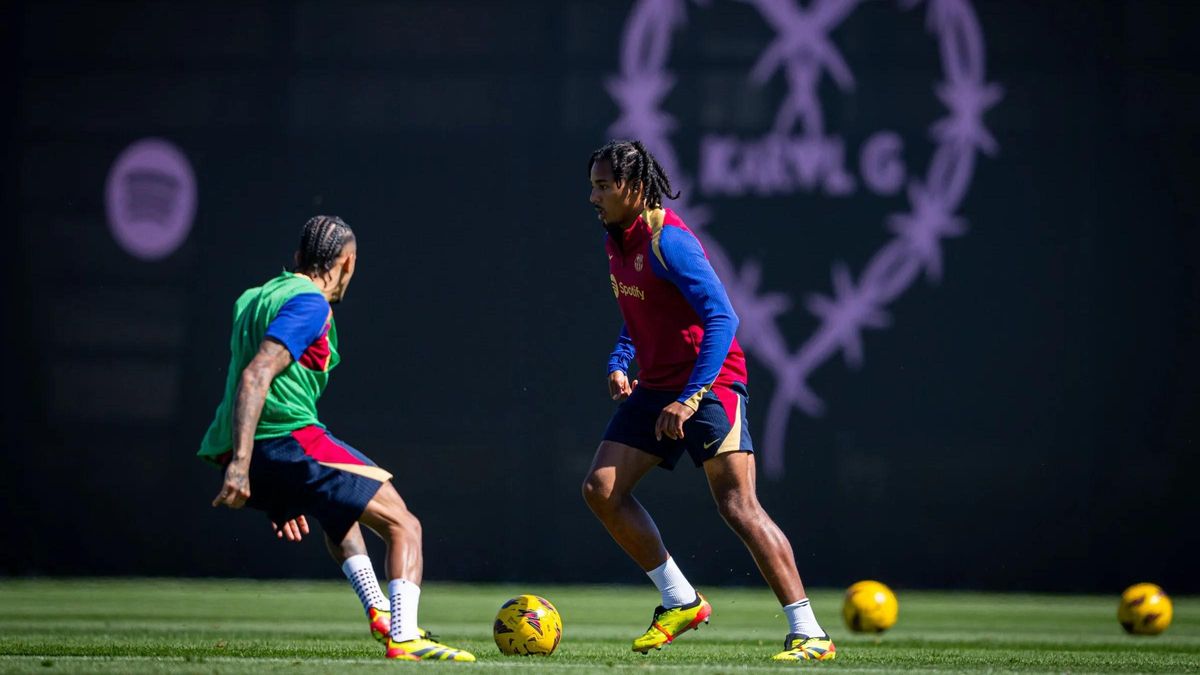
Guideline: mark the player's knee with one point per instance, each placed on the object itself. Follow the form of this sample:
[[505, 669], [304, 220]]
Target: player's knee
[[598, 493], [404, 526], [412, 525], [739, 509], [348, 547]]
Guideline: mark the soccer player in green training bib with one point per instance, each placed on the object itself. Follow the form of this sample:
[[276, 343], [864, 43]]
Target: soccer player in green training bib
[[280, 459]]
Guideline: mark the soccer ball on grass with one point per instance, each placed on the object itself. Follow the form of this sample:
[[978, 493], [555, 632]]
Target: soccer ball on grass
[[870, 607], [527, 625], [1144, 610]]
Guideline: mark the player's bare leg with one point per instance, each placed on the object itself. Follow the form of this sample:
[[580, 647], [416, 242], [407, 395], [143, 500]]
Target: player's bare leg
[[388, 516], [731, 477], [350, 545], [608, 491]]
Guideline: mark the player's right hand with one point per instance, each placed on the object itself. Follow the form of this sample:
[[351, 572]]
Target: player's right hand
[[236, 488], [619, 386]]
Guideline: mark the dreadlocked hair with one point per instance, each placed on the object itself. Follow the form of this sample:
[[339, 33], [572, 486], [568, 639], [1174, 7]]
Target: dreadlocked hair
[[321, 242], [631, 161]]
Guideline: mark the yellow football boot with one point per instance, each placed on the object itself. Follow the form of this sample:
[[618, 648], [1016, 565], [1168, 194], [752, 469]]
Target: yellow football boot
[[668, 624], [798, 647], [381, 625], [424, 649]]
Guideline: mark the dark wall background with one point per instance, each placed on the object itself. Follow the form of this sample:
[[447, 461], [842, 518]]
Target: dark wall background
[[1029, 423]]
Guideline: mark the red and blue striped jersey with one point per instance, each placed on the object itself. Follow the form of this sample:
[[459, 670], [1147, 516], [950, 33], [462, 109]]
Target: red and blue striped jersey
[[679, 323]]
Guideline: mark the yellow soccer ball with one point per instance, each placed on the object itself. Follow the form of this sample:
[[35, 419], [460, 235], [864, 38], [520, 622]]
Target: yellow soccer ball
[[1144, 610], [870, 607], [527, 625]]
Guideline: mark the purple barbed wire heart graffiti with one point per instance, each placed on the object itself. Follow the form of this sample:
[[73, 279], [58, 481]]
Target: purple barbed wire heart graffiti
[[799, 154]]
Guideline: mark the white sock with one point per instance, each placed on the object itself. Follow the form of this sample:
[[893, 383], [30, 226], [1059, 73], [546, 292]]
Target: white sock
[[675, 589], [801, 619], [361, 573], [405, 597]]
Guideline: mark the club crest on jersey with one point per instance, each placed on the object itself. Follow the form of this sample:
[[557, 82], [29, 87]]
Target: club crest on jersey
[[639, 262]]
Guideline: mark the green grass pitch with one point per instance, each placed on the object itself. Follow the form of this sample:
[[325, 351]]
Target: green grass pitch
[[220, 626]]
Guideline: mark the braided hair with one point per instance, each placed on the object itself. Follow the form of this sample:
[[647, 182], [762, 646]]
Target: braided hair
[[321, 243], [631, 161]]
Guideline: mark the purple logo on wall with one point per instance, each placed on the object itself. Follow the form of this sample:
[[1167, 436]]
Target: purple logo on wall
[[150, 197], [798, 154]]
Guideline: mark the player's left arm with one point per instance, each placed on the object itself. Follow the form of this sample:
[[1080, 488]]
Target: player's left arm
[[300, 321], [272, 358], [684, 264]]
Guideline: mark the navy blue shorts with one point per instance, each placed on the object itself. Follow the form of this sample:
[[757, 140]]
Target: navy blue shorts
[[719, 425], [311, 473]]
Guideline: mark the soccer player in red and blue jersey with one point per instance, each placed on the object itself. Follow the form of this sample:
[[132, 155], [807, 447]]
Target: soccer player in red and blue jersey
[[280, 459], [690, 396]]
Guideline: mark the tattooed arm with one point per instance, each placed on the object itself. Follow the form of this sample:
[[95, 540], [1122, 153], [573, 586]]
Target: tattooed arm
[[272, 359]]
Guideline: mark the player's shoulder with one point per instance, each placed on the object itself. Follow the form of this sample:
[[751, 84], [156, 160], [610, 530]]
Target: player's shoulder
[[247, 297], [248, 294], [281, 290], [676, 234], [292, 283], [292, 289], [675, 246], [672, 219]]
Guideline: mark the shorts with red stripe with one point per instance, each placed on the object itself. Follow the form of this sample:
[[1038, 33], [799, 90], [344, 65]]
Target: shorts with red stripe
[[310, 472]]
